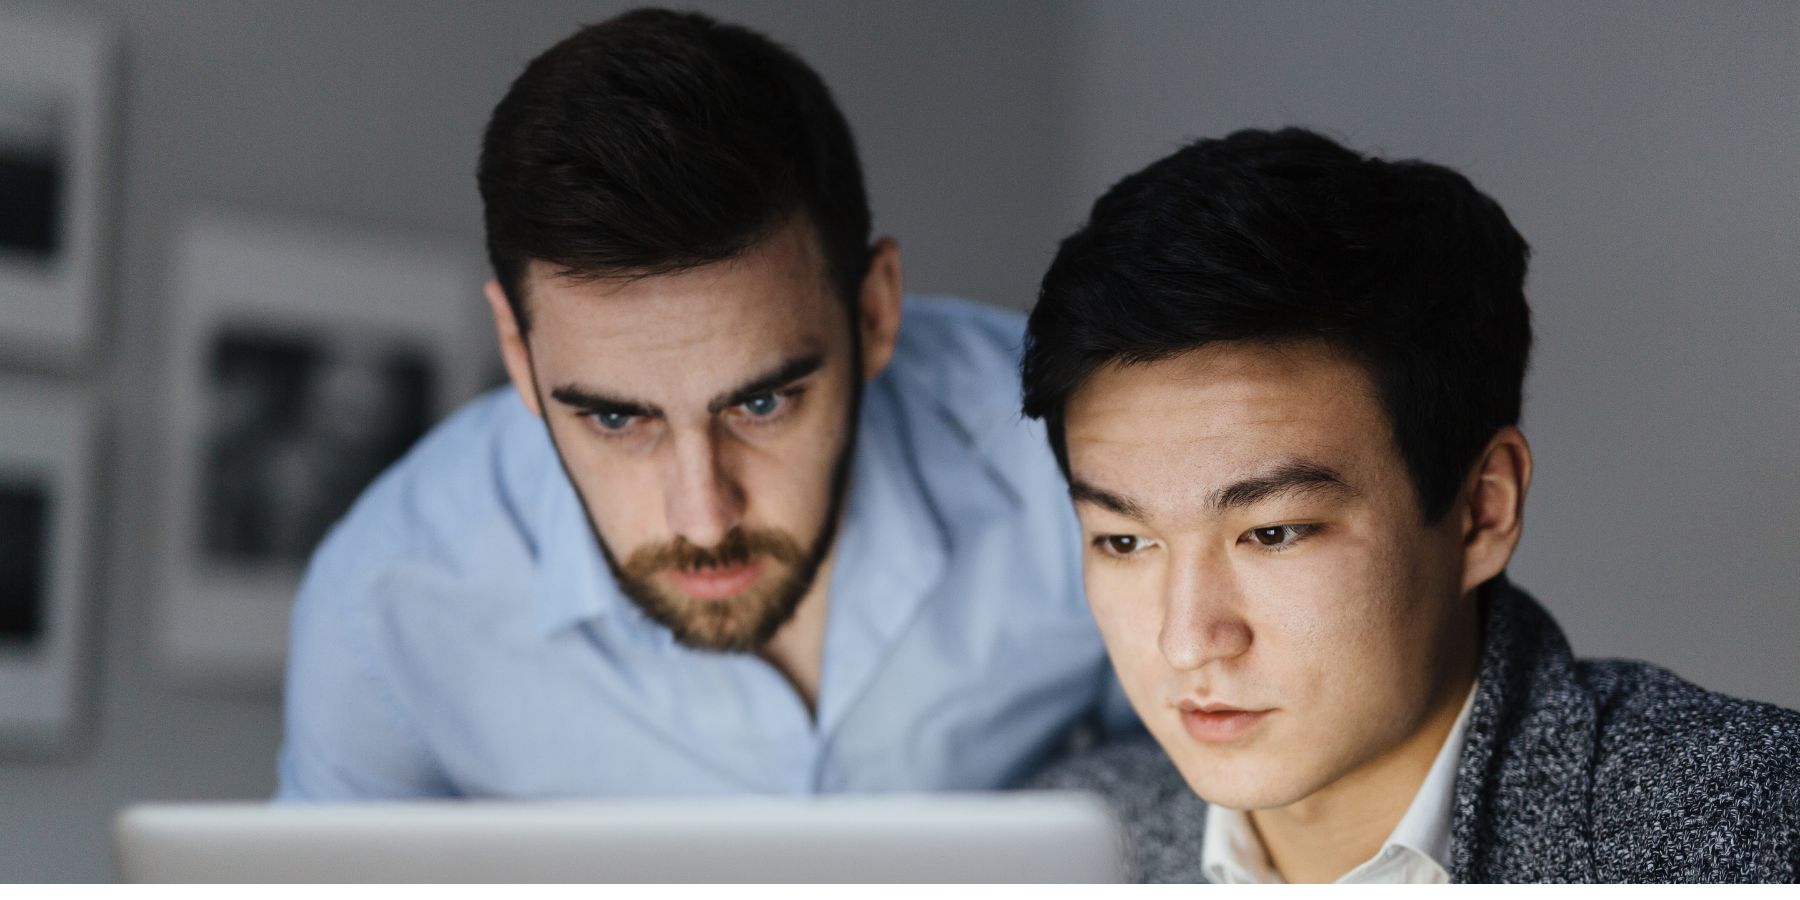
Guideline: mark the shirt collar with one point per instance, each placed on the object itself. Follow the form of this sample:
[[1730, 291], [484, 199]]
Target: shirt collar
[[892, 549], [1425, 828], [572, 583], [1231, 852]]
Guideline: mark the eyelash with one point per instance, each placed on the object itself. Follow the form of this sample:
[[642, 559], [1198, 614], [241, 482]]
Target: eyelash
[[791, 396], [1297, 533], [592, 421], [1103, 545]]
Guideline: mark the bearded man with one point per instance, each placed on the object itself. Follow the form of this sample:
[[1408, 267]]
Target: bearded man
[[733, 528]]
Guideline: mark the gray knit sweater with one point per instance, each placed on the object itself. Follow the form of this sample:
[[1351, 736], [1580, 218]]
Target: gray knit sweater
[[1573, 770]]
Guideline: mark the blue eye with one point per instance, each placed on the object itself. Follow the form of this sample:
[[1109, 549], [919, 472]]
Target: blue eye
[[612, 421], [762, 404]]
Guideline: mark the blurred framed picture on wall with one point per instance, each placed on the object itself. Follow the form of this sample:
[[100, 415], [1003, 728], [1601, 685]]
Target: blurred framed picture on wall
[[56, 98], [47, 561], [304, 359]]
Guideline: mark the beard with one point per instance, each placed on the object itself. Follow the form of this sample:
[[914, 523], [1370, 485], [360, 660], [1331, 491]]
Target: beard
[[738, 624], [746, 622]]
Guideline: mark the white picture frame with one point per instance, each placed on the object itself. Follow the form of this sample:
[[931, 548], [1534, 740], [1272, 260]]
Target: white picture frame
[[56, 126], [302, 358], [47, 561]]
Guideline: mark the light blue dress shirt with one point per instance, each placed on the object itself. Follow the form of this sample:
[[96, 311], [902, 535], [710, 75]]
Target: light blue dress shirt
[[458, 633]]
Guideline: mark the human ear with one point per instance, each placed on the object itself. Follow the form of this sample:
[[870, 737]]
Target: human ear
[[513, 352], [1493, 508], [878, 307]]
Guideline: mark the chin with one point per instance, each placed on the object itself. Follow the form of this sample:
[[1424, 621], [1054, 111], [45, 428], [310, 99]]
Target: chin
[[1238, 778]]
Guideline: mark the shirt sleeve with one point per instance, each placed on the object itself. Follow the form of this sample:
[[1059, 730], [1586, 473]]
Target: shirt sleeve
[[346, 737]]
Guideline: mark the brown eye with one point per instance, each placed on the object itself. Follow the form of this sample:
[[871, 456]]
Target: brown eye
[[1122, 544], [1277, 538]]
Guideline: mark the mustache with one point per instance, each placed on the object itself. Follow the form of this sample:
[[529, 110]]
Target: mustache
[[739, 546]]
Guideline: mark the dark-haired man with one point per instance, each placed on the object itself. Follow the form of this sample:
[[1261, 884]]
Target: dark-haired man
[[735, 528], [1284, 380]]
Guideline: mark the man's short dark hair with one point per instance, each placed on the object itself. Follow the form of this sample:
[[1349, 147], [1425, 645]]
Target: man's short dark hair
[[658, 141], [1271, 236]]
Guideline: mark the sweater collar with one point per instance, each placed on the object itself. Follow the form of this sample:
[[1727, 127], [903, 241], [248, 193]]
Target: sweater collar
[[1526, 760]]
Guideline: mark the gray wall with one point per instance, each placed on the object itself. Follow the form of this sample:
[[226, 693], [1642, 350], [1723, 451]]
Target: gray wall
[[1648, 152]]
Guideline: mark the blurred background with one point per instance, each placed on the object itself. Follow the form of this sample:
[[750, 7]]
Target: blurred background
[[1650, 151]]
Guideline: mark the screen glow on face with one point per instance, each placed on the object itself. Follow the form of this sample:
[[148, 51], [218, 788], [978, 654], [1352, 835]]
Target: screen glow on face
[[1252, 546]]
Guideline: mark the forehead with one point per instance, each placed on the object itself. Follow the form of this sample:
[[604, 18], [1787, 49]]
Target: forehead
[[688, 329], [1173, 431]]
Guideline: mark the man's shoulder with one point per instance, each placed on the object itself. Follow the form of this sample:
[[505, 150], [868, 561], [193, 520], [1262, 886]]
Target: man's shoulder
[[963, 353], [978, 328], [443, 506], [955, 374], [1689, 780], [1164, 821], [1648, 713]]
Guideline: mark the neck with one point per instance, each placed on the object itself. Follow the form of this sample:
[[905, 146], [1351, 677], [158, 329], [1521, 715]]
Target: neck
[[1324, 835], [797, 650]]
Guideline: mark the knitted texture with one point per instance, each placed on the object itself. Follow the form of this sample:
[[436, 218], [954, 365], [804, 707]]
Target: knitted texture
[[1571, 770]]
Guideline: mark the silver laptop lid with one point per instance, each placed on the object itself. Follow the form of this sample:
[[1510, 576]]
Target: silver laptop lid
[[1011, 837]]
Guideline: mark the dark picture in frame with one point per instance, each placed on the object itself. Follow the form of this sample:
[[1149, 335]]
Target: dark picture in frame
[[46, 560], [33, 176], [24, 516], [56, 91], [306, 357], [299, 426]]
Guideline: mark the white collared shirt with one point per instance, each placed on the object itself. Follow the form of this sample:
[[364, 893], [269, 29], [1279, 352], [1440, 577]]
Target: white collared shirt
[[1417, 852]]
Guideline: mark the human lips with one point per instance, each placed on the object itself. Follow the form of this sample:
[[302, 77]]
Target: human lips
[[716, 583], [1219, 723]]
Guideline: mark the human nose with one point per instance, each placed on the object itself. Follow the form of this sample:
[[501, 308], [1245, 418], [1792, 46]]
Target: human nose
[[1202, 615], [702, 501]]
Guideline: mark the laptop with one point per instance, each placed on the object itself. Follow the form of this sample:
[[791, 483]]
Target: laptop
[[996, 837]]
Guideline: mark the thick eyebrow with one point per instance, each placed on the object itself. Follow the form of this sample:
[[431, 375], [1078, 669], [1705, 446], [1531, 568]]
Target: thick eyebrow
[[596, 403], [1082, 492], [774, 380], [1293, 476]]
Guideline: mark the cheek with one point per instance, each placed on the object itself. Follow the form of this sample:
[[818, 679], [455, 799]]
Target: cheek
[[1327, 620], [1125, 601], [622, 492], [790, 493], [1347, 628], [786, 471]]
